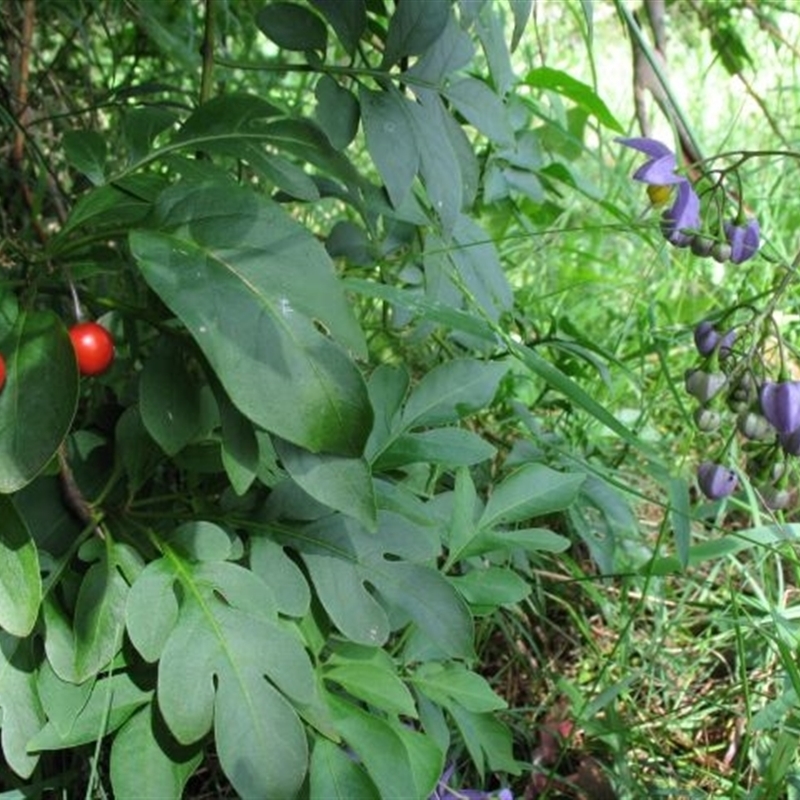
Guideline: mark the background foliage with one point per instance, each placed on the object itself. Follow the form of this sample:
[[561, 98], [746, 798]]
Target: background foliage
[[389, 491]]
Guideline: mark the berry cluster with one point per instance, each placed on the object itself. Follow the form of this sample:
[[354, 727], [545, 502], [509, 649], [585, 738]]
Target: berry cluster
[[94, 350]]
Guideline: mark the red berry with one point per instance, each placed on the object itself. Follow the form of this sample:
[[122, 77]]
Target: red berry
[[94, 347], [2, 372]]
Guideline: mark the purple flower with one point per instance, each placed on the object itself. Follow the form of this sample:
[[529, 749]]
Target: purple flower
[[780, 404], [716, 481], [679, 221], [743, 239], [659, 169]]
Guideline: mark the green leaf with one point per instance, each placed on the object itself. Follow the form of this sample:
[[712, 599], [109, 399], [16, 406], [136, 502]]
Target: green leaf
[[343, 484], [79, 649], [462, 527], [140, 127], [532, 539], [335, 776], [86, 151], [467, 271], [387, 387], [41, 385], [681, 517], [492, 587], [338, 553], [438, 162], [453, 390], [531, 491], [146, 763], [246, 669], [115, 207], [413, 28], [99, 617], [20, 578], [135, 449], [562, 83], [22, 712], [424, 307], [61, 701], [482, 108], [454, 683], [374, 684], [452, 447], [337, 112], [230, 116], [269, 561], [348, 19], [401, 762], [488, 741], [239, 445], [452, 51], [391, 140], [110, 702], [169, 398], [293, 27], [521, 9], [250, 283]]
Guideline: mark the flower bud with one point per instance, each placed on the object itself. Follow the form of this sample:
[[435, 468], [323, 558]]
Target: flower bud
[[743, 392], [777, 498], [707, 419], [721, 252], [753, 426], [704, 385], [744, 240], [716, 481], [707, 339], [702, 245]]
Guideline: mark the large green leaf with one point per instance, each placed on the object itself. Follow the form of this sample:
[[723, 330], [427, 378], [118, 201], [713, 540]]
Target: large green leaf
[[251, 285], [20, 579], [338, 553], [39, 398], [246, 669]]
